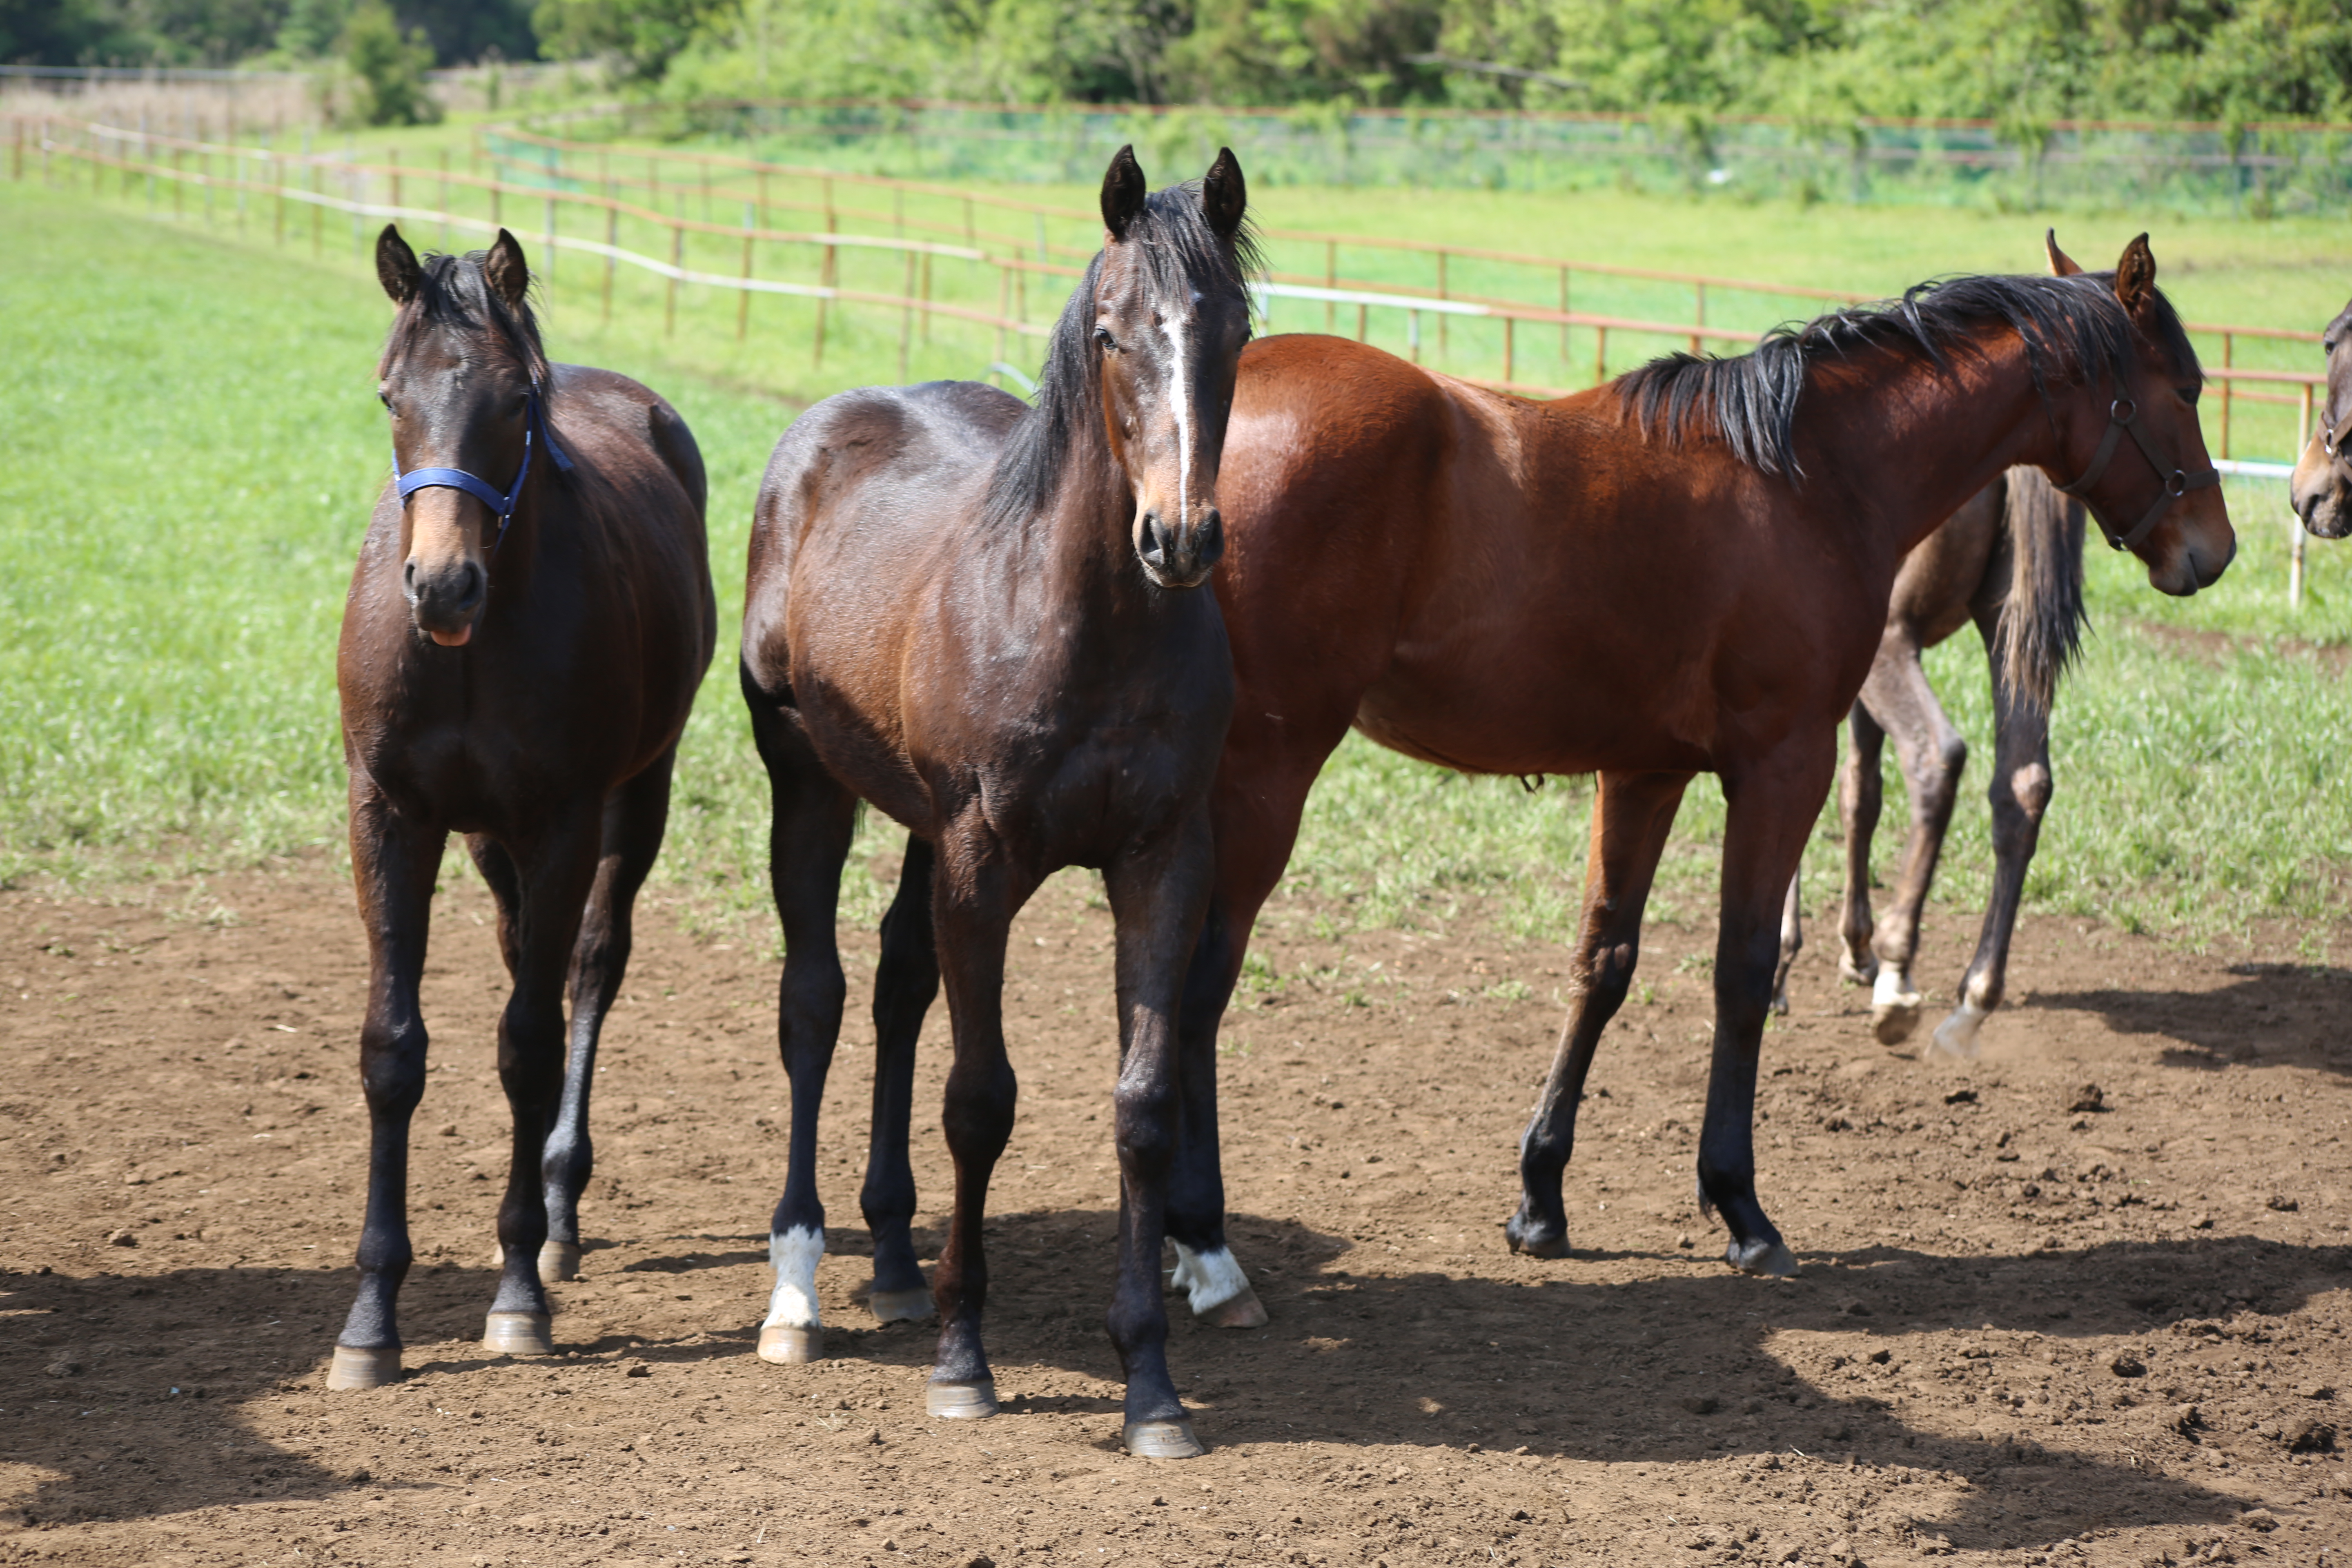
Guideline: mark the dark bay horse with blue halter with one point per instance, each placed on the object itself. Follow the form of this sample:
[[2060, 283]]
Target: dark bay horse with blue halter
[[2010, 562], [530, 618], [986, 619], [1684, 571]]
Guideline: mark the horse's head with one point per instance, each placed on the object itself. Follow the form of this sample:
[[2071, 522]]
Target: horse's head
[[2322, 486], [2134, 440], [1171, 313], [462, 376]]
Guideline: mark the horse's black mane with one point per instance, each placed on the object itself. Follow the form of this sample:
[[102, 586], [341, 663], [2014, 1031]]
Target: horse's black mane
[[454, 292], [1175, 243], [2074, 326]]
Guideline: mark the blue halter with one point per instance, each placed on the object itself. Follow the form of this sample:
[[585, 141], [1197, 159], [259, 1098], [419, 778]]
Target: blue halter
[[534, 422]]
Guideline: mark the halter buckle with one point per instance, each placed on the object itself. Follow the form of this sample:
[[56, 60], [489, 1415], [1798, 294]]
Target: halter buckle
[[2123, 411]]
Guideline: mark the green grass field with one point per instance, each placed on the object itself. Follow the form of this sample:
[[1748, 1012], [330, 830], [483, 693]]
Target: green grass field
[[193, 446]]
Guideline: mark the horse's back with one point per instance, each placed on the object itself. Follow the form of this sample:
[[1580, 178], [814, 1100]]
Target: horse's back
[[858, 490]]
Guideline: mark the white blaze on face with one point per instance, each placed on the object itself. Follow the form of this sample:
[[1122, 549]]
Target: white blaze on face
[[1181, 391], [793, 1253]]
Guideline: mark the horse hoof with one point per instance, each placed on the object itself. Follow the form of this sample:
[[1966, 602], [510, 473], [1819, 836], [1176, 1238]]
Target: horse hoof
[[362, 1369], [1242, 1311], [558, 1260], [962, 1401], [1770, 1258], [1780, 1004], [791, 1344], [1893, 1022], [1162, 1440], [902, 1306], [518, 1334], [1533, 1243], [1956, 1036]]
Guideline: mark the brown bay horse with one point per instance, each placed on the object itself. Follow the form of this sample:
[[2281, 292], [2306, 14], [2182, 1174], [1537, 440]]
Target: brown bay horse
[[2321, 490], [2010, 562], [985, 619], [518, 660], [1685, 571]]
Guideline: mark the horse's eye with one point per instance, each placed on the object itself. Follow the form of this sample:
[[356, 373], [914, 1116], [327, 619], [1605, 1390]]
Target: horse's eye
[[2188, 394], [384, 398], [1104, 341]]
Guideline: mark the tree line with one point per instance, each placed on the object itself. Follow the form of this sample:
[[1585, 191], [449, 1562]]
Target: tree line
[[2024, 62]]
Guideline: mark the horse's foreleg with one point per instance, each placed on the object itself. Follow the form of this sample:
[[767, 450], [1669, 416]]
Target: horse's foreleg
[[556, 868], [2021, 794], [1772, 805], [635, 818], [1861, 794], [974, 898], [394, 864], [1931, 754], [1157, 896], [809, 833], [905, 980], [1631, 818]]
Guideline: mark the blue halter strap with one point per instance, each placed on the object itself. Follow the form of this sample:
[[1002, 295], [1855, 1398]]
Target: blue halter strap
[[534, 426]]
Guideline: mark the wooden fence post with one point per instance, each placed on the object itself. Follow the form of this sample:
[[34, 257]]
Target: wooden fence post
[[676, 261], [826, 275], [1508, 322], [611, 243], [1600, 355], [906, 317], [743, 296]]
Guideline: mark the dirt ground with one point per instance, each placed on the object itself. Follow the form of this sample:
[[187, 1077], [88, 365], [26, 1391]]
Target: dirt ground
[[2025, 1332]]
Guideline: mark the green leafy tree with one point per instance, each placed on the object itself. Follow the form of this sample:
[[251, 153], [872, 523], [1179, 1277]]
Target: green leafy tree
[[390, 68], [640, 37]]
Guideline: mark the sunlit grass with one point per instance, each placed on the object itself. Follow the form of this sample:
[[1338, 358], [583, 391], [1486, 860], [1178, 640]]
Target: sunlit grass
[[193, 446]]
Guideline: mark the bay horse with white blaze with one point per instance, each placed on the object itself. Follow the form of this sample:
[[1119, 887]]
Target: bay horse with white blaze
[[1684, 571], [985, 619], [518, 660]]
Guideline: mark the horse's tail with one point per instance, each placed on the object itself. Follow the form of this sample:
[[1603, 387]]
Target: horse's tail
[[2042, 617]]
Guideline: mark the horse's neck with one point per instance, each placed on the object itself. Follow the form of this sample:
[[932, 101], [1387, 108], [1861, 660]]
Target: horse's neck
[[1913, 441], [1081, 550]]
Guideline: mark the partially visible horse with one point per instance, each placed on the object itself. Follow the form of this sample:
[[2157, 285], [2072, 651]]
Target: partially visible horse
[[529, 620], [1685, 571], [985, 619], [2010, 562], [2321, 489]]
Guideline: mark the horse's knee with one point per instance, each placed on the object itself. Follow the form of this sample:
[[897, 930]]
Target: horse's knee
[[2026, 790], [1146, 1116], [977, 1117], [391, 1068], [1609, 977]]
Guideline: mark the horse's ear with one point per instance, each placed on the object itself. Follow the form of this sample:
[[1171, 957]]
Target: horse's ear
[[395, 266], [508, 273], [2136, 274], [1123, 192], [1224, 196], [2060, 263]]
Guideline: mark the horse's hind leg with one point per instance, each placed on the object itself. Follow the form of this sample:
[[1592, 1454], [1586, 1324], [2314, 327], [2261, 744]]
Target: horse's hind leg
[[394, 864], [635, 818], [1631, 818], [813, 817], [1771, 810], [1792, 941], [2021, 794], [1931, 754], [905, 980], [1861, 794], [555, 868], [1215, 1285], [1156, 898]]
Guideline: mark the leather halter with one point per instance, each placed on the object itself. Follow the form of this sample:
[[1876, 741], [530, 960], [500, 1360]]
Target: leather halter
[[535, 422], [2331, 436], [2123, 416]]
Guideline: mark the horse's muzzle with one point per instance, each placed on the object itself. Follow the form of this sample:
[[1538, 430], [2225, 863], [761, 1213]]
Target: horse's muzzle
[[443, 599], [1178, 557]]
